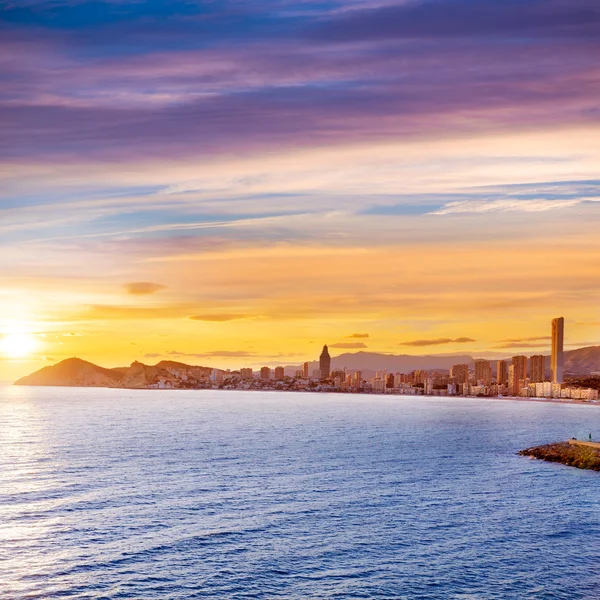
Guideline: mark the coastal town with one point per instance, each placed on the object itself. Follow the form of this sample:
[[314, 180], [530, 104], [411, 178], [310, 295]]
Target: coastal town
[[521, 376], [518, 377]]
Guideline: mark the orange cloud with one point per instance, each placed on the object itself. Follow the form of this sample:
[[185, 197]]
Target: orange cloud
[[219, 318], [348, 345], [143, 288], [438, 341]]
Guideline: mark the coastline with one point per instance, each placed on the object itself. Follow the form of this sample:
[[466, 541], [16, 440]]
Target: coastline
[[336, 392]]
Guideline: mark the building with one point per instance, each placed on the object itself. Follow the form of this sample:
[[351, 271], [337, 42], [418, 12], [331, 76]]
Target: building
[[519, 374], [483, 371], [325, 363], [357, 379], [418, 376], [279, 373], [265, 373], [246, 373], [501, 372], [557, 359], [460, 373], [537, 368], [305, 370]]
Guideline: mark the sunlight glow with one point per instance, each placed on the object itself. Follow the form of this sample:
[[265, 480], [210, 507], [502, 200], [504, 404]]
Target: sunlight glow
[[17, 344]]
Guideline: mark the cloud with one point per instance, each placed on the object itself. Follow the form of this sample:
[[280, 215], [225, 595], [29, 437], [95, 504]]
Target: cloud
[[517, 345], [219, 318], [358, 335], [348, 345], [527, 339], [215, 354], [461, 19], [143, 288], [438, 341], [507, 205]]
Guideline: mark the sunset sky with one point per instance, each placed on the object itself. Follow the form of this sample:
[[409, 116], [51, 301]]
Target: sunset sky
[[234, 183]]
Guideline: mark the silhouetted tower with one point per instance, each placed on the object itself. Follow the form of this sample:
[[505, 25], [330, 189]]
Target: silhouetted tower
[[325, 363]]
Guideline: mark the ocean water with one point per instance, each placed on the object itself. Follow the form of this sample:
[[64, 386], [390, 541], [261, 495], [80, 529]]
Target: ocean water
[[212, 494]]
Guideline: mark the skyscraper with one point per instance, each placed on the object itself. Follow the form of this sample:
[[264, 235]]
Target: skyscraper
[[460, 373], [501, 373], [483, 371], [519, 364], [537, 368], [305, 370], [556, 363], [279, 373], [325, 363]]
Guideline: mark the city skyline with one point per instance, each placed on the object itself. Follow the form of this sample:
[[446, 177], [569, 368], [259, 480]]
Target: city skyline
[[245, 360]]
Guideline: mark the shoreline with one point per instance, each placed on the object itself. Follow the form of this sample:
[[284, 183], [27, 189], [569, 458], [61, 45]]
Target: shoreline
[[421, 396]]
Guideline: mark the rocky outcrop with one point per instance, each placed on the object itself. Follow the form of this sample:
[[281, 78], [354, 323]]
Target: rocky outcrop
[[573, 455], [72, 372]]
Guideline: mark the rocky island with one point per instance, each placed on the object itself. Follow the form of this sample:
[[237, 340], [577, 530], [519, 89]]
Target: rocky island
[[574, 453]]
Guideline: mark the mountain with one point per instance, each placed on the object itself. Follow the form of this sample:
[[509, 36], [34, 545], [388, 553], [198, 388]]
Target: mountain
[[77, 372], [583, 361], [72, 372], [80, 373], [370, 362]]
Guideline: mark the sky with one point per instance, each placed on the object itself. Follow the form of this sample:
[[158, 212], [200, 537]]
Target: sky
[[233, 183]]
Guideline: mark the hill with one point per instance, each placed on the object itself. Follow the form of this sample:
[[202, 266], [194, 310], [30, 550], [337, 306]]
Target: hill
[[72, 372], [80, 373], [583, 361], [370, 362], [77, 372]]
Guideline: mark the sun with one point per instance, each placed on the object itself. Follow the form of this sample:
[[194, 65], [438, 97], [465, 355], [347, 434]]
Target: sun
[[17, 344]]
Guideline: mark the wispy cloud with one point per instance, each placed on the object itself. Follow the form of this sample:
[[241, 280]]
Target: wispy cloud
[[143, 288], [348, 345], [438, 342], [485, 206], [222, 317], [527, 339], [358, 335], [518, 345], [215, 354]]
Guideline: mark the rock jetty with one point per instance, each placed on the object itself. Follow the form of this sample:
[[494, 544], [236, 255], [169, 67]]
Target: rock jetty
[[574, 453]]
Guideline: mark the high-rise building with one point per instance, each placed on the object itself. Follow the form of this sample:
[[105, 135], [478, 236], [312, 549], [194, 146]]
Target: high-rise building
[[519, 365], [558, 333], [537, 368], [325, 363], [357, 379], [483, 371], [502, 372], [418, 376], [279, 373], [246, 373], [265, 373], [511, 379], [305, 370], [460, 373]]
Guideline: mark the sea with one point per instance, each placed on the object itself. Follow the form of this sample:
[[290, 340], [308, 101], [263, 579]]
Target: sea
[[145, 494]]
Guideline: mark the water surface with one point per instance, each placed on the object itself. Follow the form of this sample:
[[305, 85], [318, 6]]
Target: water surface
[[200, 494]]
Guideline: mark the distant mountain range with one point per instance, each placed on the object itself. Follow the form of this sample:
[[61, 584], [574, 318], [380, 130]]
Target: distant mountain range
[[581, 361], [77, 372]]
